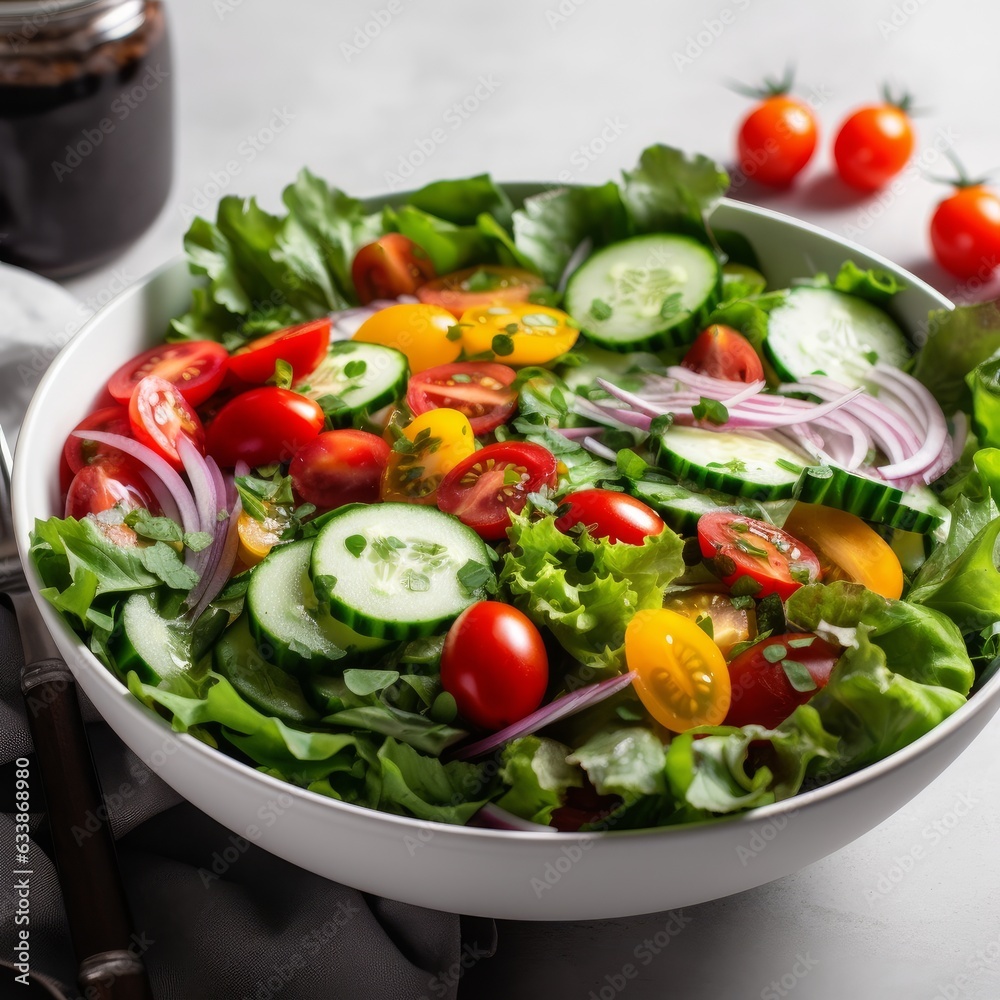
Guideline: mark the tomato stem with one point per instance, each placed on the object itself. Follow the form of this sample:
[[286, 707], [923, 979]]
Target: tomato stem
[[769, 88], [903, 101], [963, 180]]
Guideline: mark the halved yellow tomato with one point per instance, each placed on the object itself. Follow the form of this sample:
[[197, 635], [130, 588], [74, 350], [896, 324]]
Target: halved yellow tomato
[[730, 624], [257, 538], [431, 446], [425, 334], [681, 674], [847, 548], [518, 334]]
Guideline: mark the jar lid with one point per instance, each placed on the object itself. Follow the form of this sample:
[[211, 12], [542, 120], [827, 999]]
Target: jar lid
[[104, 20]]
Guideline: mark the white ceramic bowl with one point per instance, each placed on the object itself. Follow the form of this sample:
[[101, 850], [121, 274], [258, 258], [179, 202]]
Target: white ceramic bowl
[[501, 874]]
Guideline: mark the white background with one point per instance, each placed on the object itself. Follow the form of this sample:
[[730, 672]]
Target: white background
[[573, 90]]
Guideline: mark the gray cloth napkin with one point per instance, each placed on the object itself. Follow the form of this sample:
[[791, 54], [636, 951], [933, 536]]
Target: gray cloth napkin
[[263, 928]]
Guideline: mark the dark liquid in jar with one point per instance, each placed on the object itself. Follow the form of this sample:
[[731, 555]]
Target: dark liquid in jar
[[85, 149]]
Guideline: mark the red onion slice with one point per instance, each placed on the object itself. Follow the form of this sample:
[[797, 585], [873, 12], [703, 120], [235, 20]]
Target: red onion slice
[[561, 708], [492, 817]]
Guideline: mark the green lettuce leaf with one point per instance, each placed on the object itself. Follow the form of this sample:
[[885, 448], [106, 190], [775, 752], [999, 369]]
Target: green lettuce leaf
[[984, 383], [872, 284], [537, 774], [450, 247], [462, 202], [627, 762], [586, 590]]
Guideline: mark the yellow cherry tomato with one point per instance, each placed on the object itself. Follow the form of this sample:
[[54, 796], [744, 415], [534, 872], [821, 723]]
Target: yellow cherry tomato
[[518, 333], [425, 334], [436, 442], [847, 548], [730, 624], [681, 675], [257, 538]]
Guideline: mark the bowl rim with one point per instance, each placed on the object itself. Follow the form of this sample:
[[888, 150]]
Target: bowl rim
[[23, 519]]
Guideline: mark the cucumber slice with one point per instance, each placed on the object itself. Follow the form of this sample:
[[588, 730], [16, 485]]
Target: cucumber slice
[[917, 510], [839, 335], [595, 362], [264, 685], [681, 508], [285, 615], [355, 380], [742, 464], [646, 292], [398, 570]]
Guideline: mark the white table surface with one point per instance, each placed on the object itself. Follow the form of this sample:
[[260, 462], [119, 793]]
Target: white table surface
[[573, 90]]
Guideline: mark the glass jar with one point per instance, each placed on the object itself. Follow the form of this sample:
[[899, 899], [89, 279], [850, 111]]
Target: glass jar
[[86, 129]]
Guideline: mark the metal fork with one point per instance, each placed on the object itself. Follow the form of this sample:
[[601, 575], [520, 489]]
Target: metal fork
[[96, 907]]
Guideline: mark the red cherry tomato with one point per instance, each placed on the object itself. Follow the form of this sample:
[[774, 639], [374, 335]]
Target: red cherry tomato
[[965, 232], [159, 414], [389, 267], [874, 144], [761, 678], [479, 389], [494, 665], [614, 516], [79, 452], [487, 285], [778, 138], [263, 425], [482, 490], [105, 484], [195, 367], [722, 352], [302, 346], [338, 467], [742, 546]]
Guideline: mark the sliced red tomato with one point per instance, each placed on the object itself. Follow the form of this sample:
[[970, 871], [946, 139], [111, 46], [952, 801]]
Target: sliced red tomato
[[263, 425], [503, 687], [479, 389], [611, 515], [487, 285], [159, 414], [105, 484], [482, 490], [338, 467], [196, 367], [776, 675], [722, 352], [391, 266], [79, 452], [302, 346], [775, 562]]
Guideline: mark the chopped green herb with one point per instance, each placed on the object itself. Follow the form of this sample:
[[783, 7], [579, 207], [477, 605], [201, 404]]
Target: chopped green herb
[[415, 581], [482, 280], [461, 378], [355, 369], [802, 643], [704, 622], [503, 345], [600, 310], [671, 306], [356, 544], [711, 410], [455, 331], [745, 586], [798, 675], [162, 560], [156, 529], [749, 548], [630, 465], [282, 376], [196, 541], [774, 653], [473, 575], [784, 463], [871, 357]]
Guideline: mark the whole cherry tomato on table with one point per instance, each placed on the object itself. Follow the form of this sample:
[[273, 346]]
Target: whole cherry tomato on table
[[965, 229], [778, 138], [875, 143]]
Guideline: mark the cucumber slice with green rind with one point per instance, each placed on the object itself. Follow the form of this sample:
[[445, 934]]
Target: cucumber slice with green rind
[[647, 292], [682, 508], [742, 464], [820, 330], [355, 380], [397, 570], [264, 685], [287, 620]]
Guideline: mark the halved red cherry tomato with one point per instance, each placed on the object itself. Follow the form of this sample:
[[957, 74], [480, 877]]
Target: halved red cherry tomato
[[391, 266], [159, 414], [302, 346], [483, 490], [500, 688], [776, 675], [105, 484], [263, 425], [196, 367], [487, 285], [338, 467], [79, 452], [479, 389], [722, 352], [611, 515], [743, 546]]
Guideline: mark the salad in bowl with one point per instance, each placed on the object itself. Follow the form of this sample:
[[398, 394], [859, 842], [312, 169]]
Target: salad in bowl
[[547, 516]]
